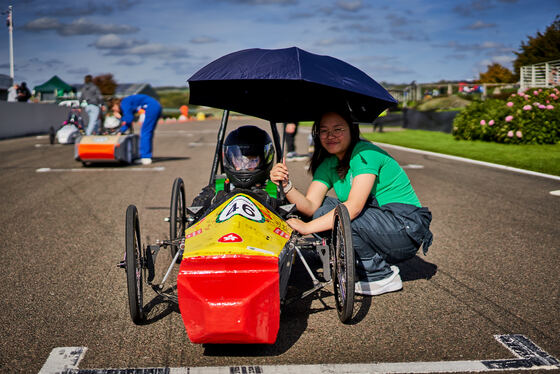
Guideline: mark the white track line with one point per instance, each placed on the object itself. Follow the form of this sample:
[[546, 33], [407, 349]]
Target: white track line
[[468, 160], [528, 357], [93, 169]]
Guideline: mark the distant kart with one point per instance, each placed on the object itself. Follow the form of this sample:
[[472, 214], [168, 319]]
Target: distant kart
[[112, 148], [236, 256], [69, 130]]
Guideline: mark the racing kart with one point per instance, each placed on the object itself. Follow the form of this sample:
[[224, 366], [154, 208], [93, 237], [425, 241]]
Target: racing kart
[[109, 146], [235, 259]]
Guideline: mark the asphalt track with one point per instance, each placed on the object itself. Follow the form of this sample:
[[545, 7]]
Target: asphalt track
[[493, 268]]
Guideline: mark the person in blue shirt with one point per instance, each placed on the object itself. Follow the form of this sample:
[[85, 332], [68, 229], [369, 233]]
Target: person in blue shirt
[[130, 105]]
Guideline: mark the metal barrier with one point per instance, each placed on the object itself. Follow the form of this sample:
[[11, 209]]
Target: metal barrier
[[22, 119], [545, 74]]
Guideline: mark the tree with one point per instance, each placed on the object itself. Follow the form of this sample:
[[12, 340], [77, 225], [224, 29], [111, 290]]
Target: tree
[[540, 48], [496, 73], [106, 83]]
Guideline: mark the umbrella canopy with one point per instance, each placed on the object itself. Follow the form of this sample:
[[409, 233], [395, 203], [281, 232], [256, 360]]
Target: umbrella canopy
[[285, 85]]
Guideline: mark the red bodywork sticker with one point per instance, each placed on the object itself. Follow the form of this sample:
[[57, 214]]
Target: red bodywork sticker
[[281, 233], [194, 233], [230, 238]]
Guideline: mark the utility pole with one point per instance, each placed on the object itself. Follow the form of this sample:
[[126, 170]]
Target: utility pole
[[10, 23]]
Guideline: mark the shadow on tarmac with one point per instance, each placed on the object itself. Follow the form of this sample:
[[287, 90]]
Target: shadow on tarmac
[[416, 268]]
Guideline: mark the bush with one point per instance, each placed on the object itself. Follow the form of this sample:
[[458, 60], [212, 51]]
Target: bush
[[530, 117]]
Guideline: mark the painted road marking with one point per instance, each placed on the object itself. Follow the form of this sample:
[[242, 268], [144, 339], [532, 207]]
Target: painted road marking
[[75, 170], [468, 160], [413, 166], [529, 357], [555, 193], [63, 358], [50, 145]]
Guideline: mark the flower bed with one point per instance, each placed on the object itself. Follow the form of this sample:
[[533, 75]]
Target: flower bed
[[530, 117]]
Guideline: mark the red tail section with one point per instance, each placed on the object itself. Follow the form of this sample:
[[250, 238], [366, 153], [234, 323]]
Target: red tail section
[[230, 299]]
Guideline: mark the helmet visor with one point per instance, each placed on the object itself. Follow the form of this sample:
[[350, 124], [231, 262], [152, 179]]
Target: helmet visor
[[241, 158]]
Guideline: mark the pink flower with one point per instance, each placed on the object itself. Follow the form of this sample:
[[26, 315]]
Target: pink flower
[[482, 122], [509, 118], [535, 93], [536, 104], [512, 94], [510, 104], [527, 107], [548, 101], [491, 122], [510, 134], [518, 134], [542, 106], [549, 107]]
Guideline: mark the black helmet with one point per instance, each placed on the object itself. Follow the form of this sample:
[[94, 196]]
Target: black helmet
[[248, 154]]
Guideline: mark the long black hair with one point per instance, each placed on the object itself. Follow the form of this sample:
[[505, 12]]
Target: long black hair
[[320, 153]]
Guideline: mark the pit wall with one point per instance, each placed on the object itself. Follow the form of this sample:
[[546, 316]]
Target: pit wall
[[23, 119]]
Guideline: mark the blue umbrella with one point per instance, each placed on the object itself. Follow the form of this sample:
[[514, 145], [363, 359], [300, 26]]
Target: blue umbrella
[[285, 85]]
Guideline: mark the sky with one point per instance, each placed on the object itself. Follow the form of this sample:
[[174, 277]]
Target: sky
[[163, 43]]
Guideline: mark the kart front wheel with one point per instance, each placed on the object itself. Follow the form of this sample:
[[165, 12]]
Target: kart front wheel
[[133, 263], [342, 253], [177, 216]]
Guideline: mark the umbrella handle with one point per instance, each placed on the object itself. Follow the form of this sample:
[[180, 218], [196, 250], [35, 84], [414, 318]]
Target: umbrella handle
[[281, 194]]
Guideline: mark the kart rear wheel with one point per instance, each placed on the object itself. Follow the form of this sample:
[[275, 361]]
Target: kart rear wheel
[[342, 254], [133, 263], [52, 135], [177, 216]]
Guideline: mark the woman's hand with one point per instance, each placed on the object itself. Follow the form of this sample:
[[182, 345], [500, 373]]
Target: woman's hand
[[280, 174], [298, 225]]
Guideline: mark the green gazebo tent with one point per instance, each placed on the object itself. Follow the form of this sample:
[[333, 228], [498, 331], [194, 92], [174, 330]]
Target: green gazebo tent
[[52, 88]]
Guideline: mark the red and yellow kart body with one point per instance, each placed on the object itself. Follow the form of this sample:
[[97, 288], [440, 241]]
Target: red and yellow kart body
[[234, 273]]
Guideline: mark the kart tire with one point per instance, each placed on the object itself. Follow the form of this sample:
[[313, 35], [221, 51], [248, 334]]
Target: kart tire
[[343, 272], [133, 263], [177, 216], [52, 135]]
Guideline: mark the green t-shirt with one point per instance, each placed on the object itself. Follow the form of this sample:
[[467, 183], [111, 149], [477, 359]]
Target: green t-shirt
[[391, 183]]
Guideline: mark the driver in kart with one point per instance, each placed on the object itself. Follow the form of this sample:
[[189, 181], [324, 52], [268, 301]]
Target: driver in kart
[[247, 154]]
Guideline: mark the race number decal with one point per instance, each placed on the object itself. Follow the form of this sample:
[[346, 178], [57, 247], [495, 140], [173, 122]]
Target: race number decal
[[230, 238], [241, 206]]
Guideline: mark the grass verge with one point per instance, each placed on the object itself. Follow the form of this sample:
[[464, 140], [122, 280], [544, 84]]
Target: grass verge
[[540, 158]]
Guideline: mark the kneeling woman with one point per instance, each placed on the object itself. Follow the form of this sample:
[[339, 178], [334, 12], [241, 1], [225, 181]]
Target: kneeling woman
[[388, 223]]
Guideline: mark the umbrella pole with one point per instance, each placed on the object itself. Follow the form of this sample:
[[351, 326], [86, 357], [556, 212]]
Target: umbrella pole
[[220, 141], [279, 154]]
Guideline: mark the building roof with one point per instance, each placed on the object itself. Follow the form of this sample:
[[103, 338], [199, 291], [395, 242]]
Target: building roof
[[5, 81], [127, 89]]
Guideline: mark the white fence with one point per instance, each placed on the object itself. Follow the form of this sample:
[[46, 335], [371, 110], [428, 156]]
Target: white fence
[[545, 74]]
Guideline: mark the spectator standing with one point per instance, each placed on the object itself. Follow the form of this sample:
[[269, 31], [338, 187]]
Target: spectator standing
[[92, 96], [23, 93], [291, 132], [12, 93]]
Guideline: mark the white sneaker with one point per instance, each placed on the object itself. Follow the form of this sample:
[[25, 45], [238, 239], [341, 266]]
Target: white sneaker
[[143, 161], [389, 284]]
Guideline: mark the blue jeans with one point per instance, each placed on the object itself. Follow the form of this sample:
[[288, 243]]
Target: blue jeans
[[93, 115], [380, 236]]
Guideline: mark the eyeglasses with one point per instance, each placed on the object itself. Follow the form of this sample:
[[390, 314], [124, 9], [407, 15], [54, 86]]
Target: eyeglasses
[[337, 132]]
